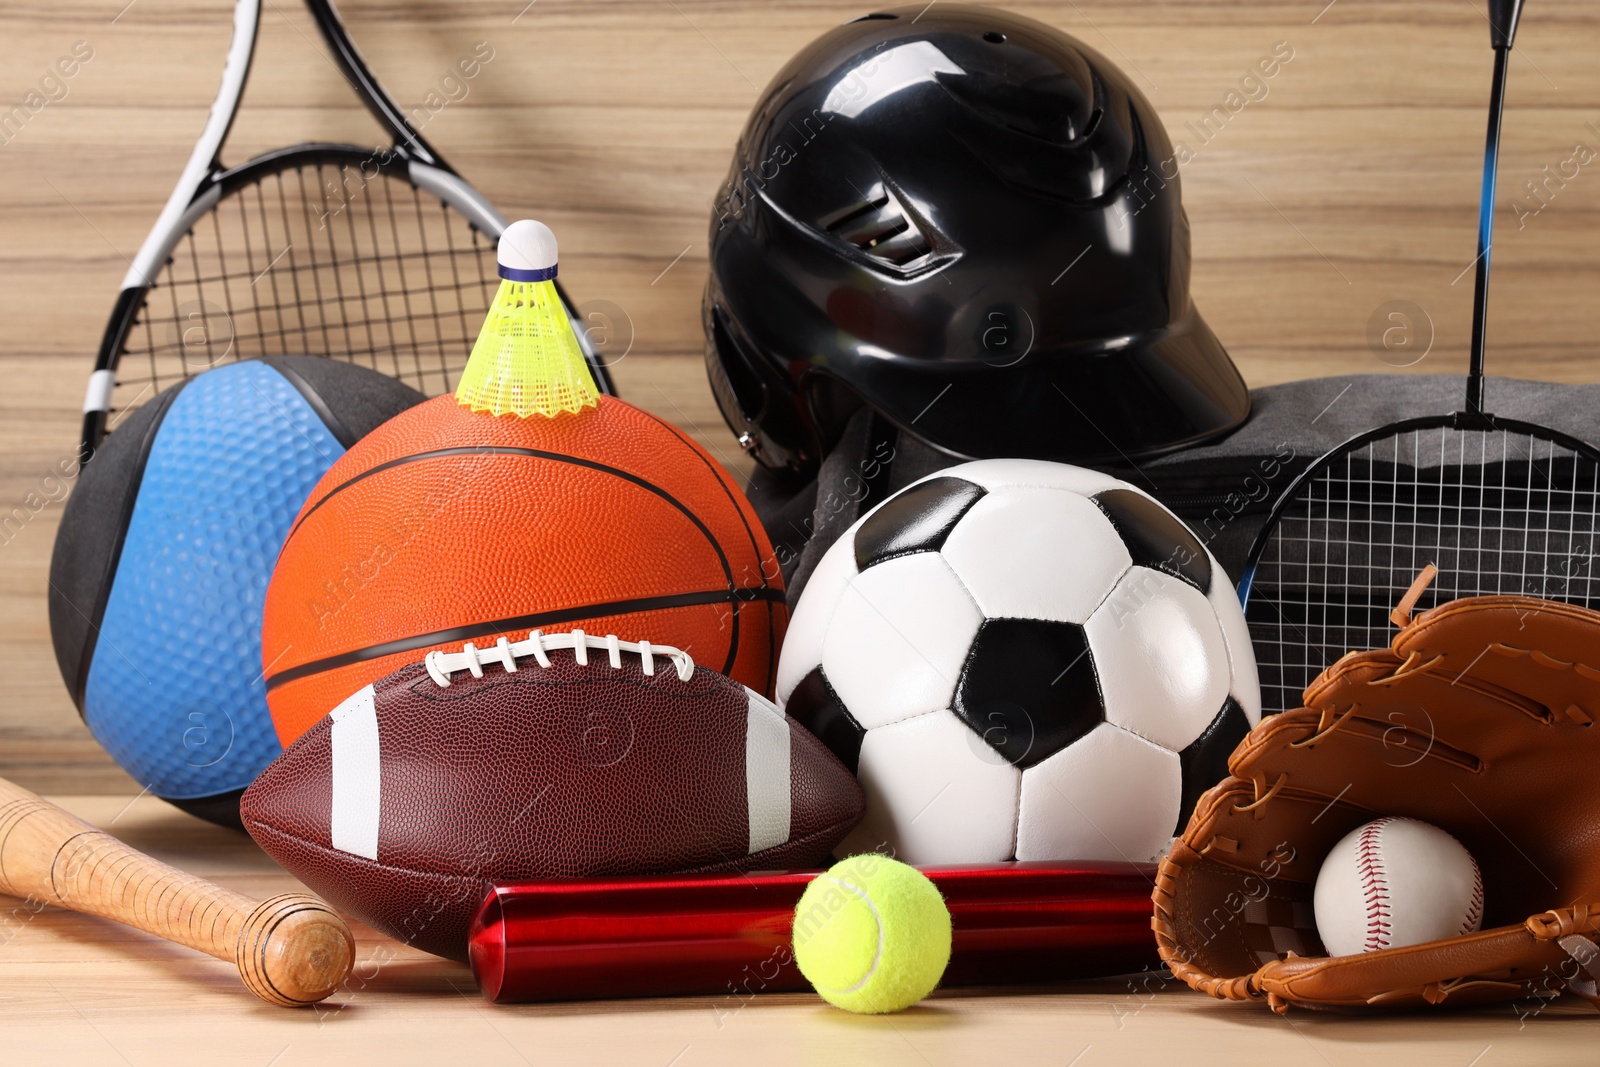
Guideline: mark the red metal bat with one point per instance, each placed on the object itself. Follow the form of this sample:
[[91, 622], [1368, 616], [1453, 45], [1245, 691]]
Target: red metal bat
[[1013, 924]]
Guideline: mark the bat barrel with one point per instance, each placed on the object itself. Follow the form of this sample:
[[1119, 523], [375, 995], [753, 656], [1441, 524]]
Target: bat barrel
[[1013, 924]]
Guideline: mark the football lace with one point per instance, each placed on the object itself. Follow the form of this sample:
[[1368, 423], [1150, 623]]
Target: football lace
[[441, 665]]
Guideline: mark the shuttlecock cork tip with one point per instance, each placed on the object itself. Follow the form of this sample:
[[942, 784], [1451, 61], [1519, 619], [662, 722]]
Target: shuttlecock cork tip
[[527, 252]]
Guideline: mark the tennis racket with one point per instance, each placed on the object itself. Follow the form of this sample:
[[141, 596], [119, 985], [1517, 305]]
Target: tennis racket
[[380, 256], [1496, 505]]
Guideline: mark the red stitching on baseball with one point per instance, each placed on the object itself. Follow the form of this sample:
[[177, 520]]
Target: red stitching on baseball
[[1475, 909], [1373, 886]]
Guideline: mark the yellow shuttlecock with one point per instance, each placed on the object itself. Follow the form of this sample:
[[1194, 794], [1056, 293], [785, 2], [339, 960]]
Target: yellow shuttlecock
[[527, 360]]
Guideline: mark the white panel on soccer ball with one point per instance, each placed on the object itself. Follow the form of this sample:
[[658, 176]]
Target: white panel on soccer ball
[[936, 794], [898, 638], [1108, 796], [808, 626], [999, 473], [1246, 685], [1160, 657], [1037, 554]]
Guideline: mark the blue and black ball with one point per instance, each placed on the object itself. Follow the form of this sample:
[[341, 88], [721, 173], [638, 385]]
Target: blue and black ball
[[163, 557]]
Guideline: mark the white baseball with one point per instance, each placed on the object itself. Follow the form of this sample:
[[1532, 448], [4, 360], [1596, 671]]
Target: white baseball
[[1396, 882]]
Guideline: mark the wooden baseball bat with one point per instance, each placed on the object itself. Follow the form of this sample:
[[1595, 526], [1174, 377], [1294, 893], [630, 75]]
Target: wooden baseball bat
[[291, 950]]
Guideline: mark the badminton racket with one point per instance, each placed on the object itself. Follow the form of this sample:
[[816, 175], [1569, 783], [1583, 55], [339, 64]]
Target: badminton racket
[[383, 257], [1496, 505]]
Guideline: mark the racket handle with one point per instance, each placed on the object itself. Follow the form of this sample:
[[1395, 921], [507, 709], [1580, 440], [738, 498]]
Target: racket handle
[[1013, 924], [290, 950]]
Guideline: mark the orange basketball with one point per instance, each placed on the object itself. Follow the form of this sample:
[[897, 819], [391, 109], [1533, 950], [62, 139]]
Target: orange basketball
[[443, 526]]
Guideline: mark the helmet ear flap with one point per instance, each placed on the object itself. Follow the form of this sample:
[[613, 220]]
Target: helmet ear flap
[[741, 383]]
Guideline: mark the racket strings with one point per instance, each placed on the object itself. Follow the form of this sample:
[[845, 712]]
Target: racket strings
[[1495, 511], [316, 258]]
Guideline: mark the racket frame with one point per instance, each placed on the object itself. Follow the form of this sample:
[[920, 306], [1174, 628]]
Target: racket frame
[[1504, 16], [1460, 420], [205, 181]]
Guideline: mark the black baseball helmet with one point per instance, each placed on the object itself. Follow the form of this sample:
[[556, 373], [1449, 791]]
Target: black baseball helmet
[[971, 222]]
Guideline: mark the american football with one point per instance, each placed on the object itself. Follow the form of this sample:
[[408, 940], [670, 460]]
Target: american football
[[560, 756]]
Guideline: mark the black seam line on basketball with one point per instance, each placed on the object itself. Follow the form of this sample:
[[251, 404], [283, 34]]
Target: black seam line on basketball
[[533, 453], [520, 622], [130, 497], [755, 550], [557, 457], [338, 429]]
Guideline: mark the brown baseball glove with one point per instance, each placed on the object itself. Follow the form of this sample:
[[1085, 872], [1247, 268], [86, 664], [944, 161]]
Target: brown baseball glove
[[1480, 720]]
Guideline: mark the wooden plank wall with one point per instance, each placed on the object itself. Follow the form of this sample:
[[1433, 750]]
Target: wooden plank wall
[[1351, 183]]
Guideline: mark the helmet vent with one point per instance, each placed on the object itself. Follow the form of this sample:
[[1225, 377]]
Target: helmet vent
[[1094, 121], [880, 229]]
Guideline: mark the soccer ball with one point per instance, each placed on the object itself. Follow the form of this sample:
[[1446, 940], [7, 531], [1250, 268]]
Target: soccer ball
[[1022, 660]]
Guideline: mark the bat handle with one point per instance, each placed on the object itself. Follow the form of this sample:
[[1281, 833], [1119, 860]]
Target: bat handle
[[294, 950], [291, 950]]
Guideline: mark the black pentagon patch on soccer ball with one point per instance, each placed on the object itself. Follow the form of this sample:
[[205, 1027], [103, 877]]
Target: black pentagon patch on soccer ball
[[917, 519], [1029, 688], [1205, 761], [815, 705], [1156, 538]]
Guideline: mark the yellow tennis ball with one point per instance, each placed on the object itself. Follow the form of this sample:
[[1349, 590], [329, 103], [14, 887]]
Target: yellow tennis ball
[[872, 935]]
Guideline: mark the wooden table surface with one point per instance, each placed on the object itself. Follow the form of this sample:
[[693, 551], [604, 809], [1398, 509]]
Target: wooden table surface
[[75, 989], [1352, 183]]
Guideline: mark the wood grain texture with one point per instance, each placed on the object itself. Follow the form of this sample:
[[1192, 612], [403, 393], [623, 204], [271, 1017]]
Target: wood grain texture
[[75, 989], [1351, 183], [290, 950]]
